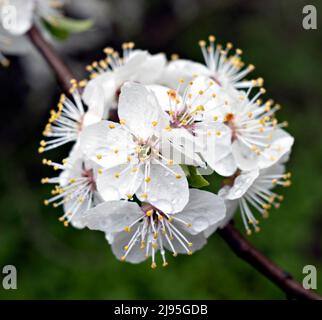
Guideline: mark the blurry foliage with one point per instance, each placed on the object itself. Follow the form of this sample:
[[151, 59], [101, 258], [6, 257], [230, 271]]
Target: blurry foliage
[[55, 262]]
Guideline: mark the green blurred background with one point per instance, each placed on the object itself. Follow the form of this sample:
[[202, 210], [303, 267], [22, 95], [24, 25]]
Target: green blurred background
[[57, 262]]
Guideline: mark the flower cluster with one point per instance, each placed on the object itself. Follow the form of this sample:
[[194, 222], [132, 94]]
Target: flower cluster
[[178, 122]]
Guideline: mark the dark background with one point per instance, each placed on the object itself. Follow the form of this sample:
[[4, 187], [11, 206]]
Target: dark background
[[55, 262]]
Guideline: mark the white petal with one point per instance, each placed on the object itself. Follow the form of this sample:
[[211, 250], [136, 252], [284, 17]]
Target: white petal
[[281, 144], [152, 68], [182, 69], [121, 239], [226, 166], [115, 185], [162, 96], [165, 191], [96, 98], [197, 240], [245, 158], [180, 145], [203, 210], [107, 143], [215, 139], [17, 16], [111, 217], [140, 110], [241, 184]]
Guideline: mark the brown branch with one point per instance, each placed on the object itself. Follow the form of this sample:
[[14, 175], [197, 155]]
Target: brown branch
[[62, 72], [244, 250], [234, 239]]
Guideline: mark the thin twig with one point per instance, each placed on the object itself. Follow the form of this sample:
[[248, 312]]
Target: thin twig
[[234, 239], [244, 250], [62, 72]]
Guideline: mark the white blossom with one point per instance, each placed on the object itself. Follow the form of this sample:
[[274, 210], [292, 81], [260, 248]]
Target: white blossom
[[257, 139], [252, 190], [66, 124], [75, 187], [136, 233], [192, 131], [131, 153], [227, 70], [18, 16], [108, 75]]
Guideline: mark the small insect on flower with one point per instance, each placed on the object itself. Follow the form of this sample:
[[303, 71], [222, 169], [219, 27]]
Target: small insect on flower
[[254, 189], [75, 187], [66, 124], [138, 232]]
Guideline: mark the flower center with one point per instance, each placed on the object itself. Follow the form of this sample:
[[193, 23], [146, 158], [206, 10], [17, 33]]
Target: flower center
[[229, 120], [154, 229], [89, 174]]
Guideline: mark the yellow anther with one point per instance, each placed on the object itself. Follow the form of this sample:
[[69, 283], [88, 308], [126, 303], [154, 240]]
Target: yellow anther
[[154, 123], [149, 213], [239, 51], [108, 50], [218, 133], [100, 171], [190, 244], [212, 38], [111, 125], [122, 121], [172, 94], [144, 195], [251, 67], [153, 265], [164, 264], [189, 253], [202, 43], [46, 202], [66, 223], [229, 45], [99, 156], [123, 258], [147, 179], [170, 162], [178, 176], [126, 247], [127, 229], [174, 56], [117, 175], [201, 92]]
